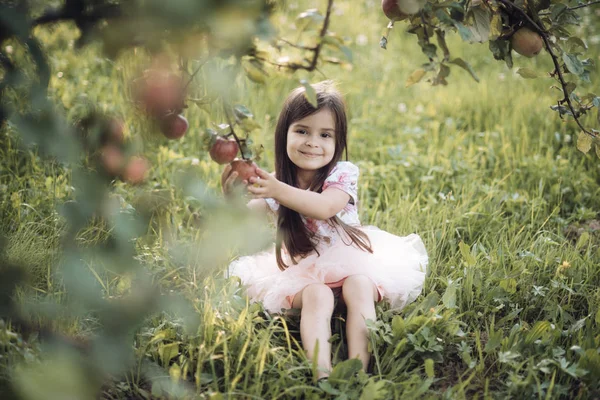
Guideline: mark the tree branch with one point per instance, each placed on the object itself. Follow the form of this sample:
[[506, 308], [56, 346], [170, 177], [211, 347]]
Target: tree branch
[[539, 27], [591, 3], [226, 109], [315, 50]]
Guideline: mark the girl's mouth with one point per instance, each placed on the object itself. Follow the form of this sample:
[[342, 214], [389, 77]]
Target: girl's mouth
[[309, 155]]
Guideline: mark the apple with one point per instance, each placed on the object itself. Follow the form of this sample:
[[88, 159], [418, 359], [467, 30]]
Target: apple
[[526, 42], [160, 92], [223, 150], [174, 126], [136, 170], [391, 10], [245, 169], [112, 159]]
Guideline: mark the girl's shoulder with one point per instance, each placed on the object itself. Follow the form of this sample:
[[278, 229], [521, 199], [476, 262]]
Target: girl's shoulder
[[344, 167]]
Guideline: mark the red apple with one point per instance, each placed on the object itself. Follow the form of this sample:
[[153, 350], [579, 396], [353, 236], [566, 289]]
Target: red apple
[[160, 92], [392, 11], [244, 168], [136, 170], [223, 150], [174, 126], [112, 159]]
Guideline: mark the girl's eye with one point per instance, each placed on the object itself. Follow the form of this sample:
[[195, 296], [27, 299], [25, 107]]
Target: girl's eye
[[301, 131], [326, 135]]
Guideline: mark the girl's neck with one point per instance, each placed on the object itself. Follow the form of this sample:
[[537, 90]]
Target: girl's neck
[[304, 179]]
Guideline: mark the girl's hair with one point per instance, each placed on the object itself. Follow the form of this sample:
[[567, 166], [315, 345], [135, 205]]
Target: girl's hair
[[291, 232]]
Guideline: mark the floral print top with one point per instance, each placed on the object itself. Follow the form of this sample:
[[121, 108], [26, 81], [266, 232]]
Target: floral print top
[[344, 176]]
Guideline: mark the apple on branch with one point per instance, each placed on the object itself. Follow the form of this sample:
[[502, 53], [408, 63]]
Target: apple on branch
[[223, 151], [397, 10], [173, 126], [159, 92], [526, 42]]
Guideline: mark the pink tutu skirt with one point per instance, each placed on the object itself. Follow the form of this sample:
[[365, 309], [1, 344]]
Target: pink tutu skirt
[[397, 267]]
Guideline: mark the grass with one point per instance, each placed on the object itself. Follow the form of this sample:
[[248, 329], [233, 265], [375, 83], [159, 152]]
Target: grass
[[484, 172]]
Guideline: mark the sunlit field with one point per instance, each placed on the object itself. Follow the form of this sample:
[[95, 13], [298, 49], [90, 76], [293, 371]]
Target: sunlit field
[[485, 172]]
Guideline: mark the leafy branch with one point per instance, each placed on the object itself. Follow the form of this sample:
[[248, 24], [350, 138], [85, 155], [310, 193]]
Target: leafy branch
[[591, 3], [539, 27], [227, 110], [316, 50]]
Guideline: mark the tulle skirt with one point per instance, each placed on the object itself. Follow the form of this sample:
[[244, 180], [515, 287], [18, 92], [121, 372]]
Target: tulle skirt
[[397, 267]]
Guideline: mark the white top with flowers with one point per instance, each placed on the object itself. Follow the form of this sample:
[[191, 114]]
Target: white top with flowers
[[344, 176]]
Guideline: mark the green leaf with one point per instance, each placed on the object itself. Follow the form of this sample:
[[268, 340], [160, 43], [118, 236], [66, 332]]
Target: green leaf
[[338, 43], [374, 391], [415, 77], [255, 72], [167, 352], [242, 112], [429, 49], [501, 51], [575, 42], [398, 326], [557, 9], [175, 372], [309, 19], [480, 28], [466, 66], [509, 285], [429, 369], [494, 341], [466, 34], [327, 388], [584, 142], [309, 93], [465, 251], [597, 146], [449, 297], [528, 73], [345, 370], [495, 26], [537, 331], [573, 64], [538, 5]]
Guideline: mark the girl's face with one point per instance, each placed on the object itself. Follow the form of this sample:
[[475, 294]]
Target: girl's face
[[311, 141]]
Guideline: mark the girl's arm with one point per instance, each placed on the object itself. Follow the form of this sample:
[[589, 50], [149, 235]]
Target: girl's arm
[[259, 205], [310, 204]]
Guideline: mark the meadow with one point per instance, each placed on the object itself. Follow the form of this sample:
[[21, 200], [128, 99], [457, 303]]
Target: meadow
[[485, 173]]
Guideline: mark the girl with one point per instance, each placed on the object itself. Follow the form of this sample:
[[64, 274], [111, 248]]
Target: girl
[[322, 251]]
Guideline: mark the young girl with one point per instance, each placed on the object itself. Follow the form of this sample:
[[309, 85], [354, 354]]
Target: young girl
[[322, 251]]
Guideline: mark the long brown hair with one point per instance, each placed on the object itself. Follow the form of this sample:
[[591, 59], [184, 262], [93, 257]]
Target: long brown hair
[[291, 231]]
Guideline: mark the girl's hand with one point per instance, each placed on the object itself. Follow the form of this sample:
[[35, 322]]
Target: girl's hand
[[228, 183], [265, 186]]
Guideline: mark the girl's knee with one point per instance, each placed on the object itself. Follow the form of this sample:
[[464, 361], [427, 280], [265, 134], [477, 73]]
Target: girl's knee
[[319, 295], [359, 287]]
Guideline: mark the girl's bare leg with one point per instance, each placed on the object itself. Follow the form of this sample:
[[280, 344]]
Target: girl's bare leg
[[359, 294], [316, 302]]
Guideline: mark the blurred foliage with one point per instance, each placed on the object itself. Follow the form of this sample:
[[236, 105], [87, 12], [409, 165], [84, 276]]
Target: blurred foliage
[[107, 283]]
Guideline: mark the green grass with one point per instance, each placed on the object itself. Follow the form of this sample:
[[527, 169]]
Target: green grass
[[484, 172]]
